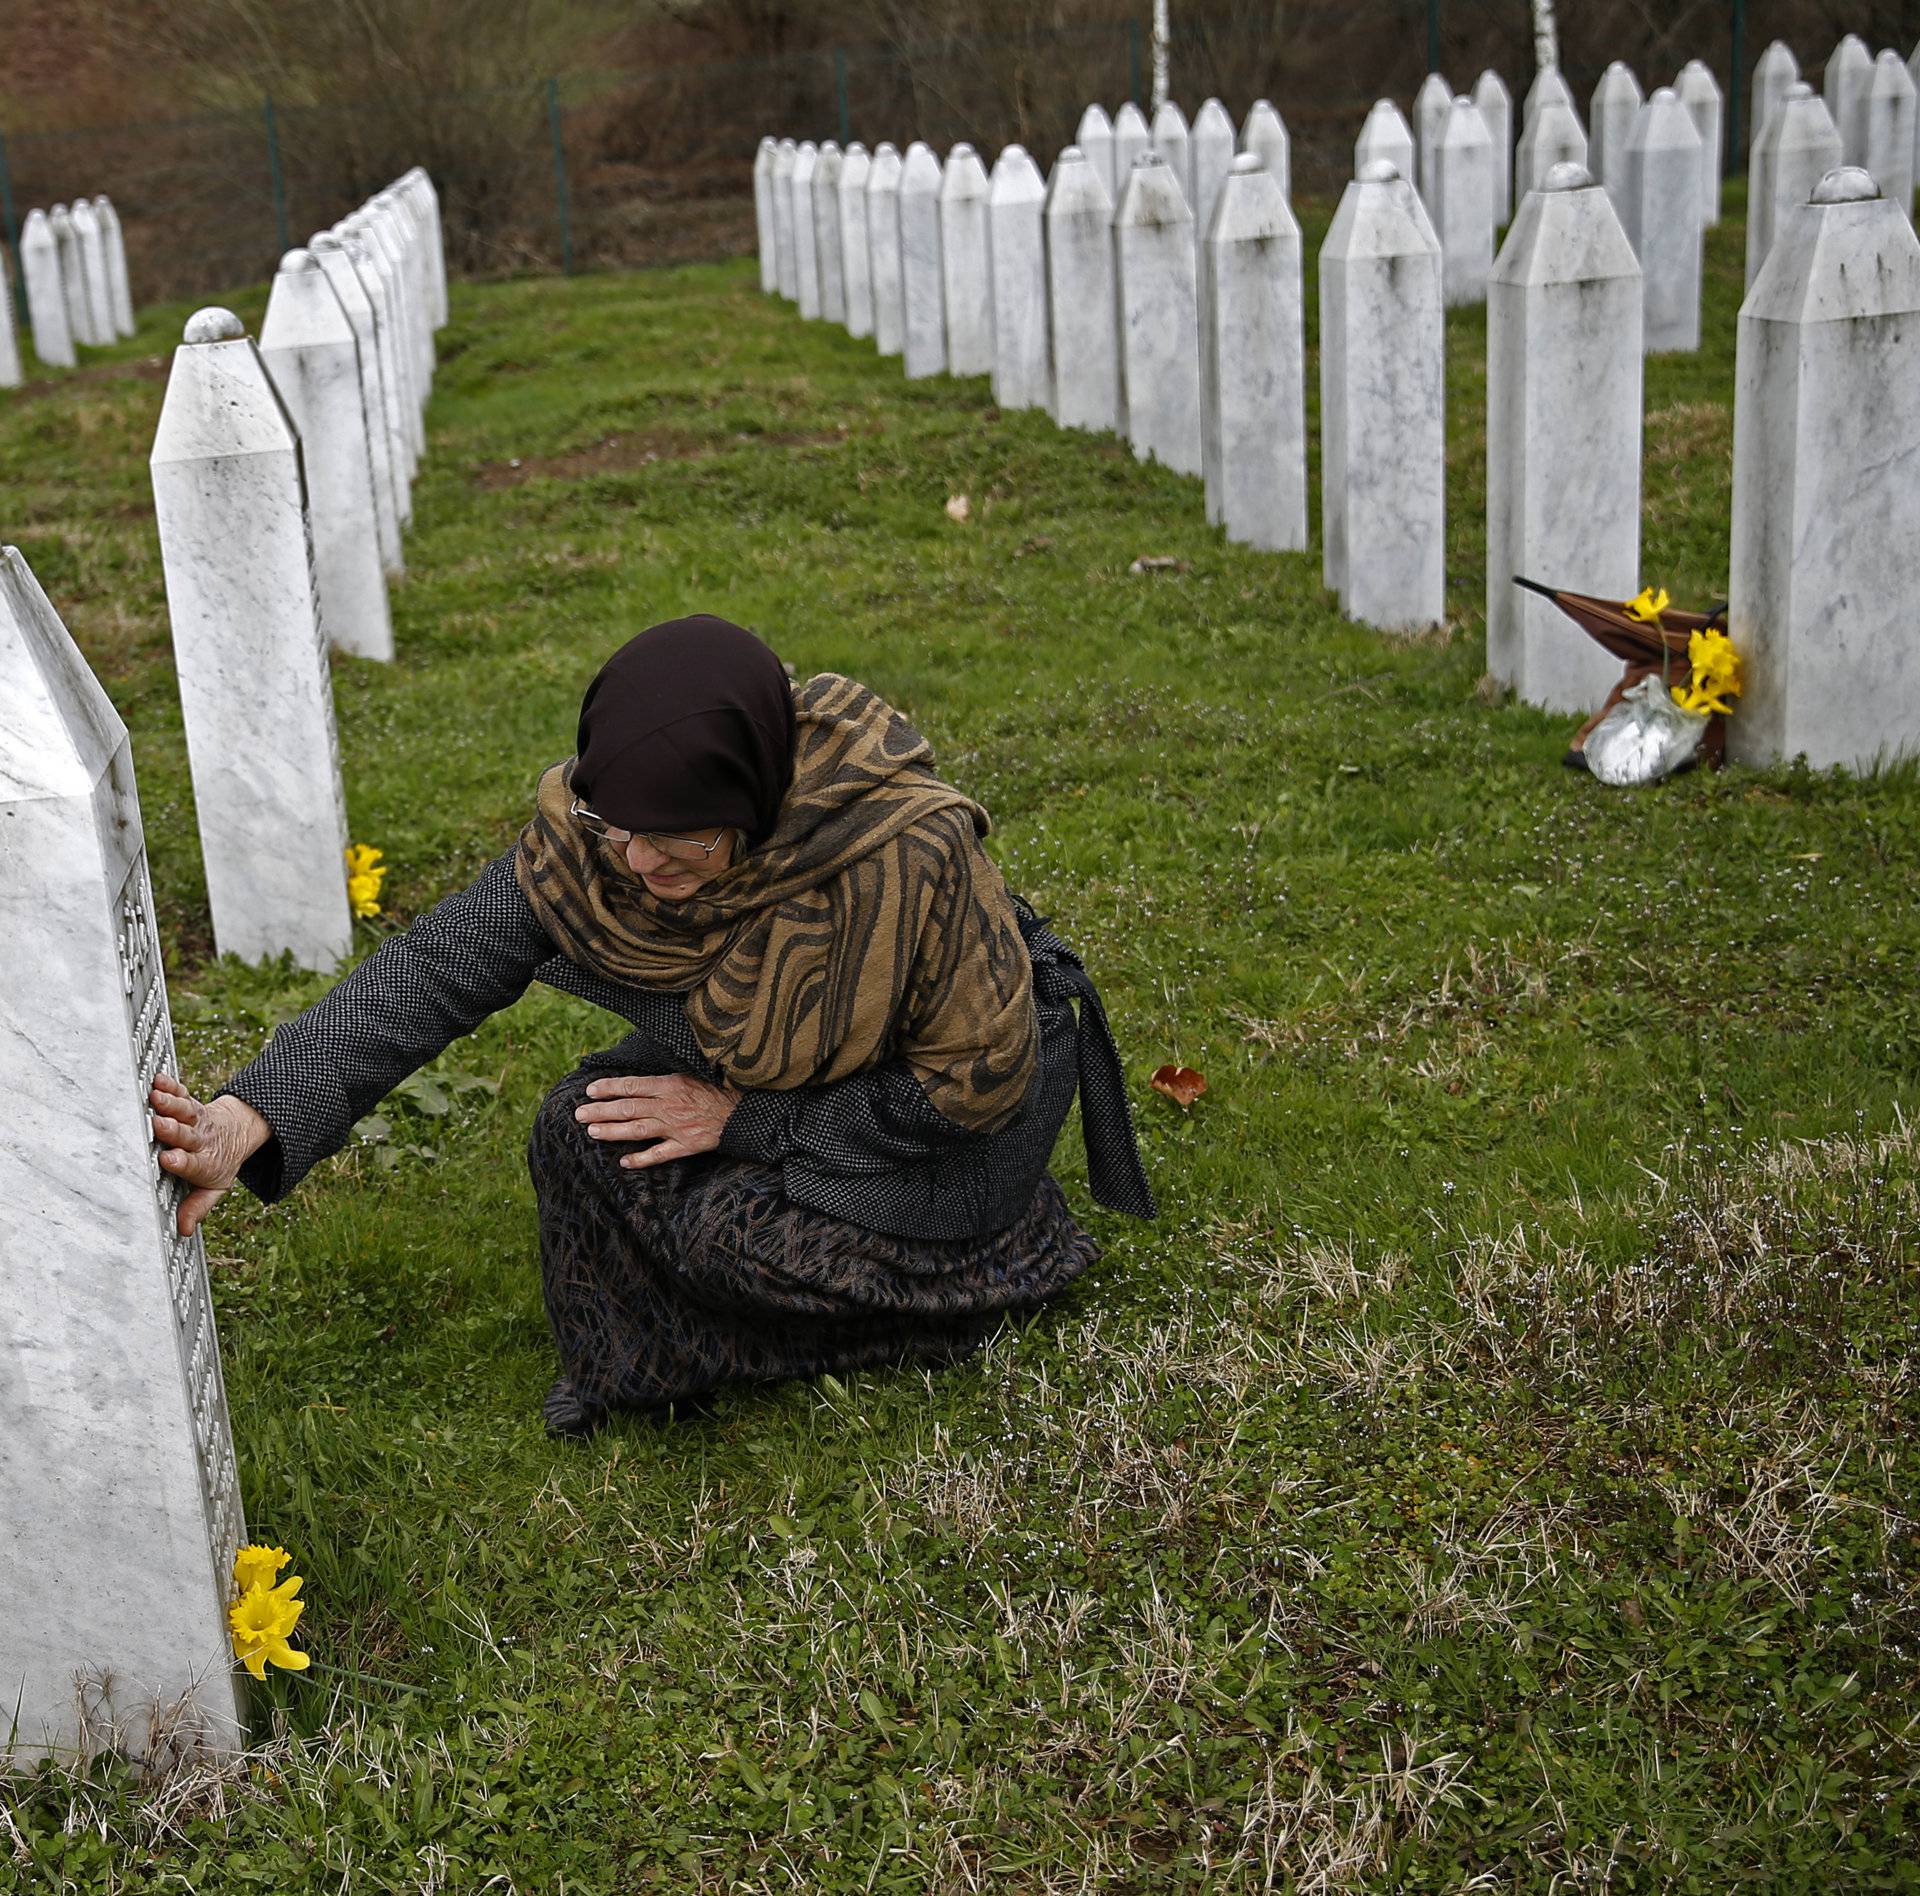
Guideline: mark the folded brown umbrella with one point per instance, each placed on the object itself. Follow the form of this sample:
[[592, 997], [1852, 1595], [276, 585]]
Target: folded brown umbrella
[[1644, 649]]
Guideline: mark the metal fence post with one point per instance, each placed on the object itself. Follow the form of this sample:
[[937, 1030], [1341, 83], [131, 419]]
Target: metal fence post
[[1133, 61], [13, 237], [1737, 89], [840, 93], [560, 197], [279, 176]]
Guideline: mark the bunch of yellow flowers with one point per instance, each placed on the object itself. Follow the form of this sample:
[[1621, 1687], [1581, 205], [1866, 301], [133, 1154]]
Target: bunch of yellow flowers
[[364, 877], [1716, 673], [263, 1614]]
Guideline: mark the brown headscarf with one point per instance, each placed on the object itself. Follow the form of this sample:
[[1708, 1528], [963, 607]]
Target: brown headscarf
[[868, 924]]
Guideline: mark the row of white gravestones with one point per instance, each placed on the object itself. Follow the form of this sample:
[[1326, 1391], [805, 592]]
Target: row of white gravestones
[[1103, 316], [266, 471], [1869, 99], [74, 260], [123, 1511]]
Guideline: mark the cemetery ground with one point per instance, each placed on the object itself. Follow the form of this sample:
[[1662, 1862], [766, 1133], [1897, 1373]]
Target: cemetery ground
[[1494, 1470]]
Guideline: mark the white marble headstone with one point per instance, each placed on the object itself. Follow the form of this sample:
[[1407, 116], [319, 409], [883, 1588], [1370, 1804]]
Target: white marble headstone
[[1431, 105], [763, 214], [827, 256], [1796, 150], [1564, 374], [1210, 150], [429, 198], [1155, 280], [331, 254], [1131, 136], [1383, 406], [382, 280], [11, 375], [1826, 509], [1081, 304], [965, 289], [923, 300], [1849, 73], [1549, 82], [1385, 138], [308, 346], [1253, 364], [806, 266], [1016, 249], [856, 253], [1700, 93], [1490, 94], [119, 287], [1616, 103], [93, 269], [1094, 139], [1462, 204], [1774, 72], [1264, 135], [785, 273], [116, 1461], [1661, 188], [46, 296], [250, 649], [1552, 137], [883, 249], [1173, 141], [1888, 118], [73, 279]]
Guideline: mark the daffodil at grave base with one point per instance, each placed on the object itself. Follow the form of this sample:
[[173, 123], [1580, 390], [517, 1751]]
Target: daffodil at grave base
[[263, 1615], [365, 874]]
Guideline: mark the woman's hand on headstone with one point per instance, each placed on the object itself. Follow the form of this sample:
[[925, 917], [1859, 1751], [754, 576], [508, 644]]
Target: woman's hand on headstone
[[203, 1144], [679, 1114]]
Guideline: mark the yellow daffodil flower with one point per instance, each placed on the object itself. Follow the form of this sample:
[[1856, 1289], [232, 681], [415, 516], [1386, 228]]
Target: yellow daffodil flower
[[258, 1566], [364, 877], [1716, 678], [1647, 606], [260, 1622]]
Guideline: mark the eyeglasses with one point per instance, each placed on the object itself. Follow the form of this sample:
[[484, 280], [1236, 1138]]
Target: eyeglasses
[[677, 848]]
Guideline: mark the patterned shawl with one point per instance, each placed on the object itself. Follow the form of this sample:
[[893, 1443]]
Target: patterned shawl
[[870, 925]]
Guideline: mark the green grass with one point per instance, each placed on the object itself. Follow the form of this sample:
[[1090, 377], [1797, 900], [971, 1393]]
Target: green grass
[[1492, 1471]]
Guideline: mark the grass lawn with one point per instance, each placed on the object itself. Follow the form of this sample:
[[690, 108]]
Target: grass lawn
[[1495, 1468]]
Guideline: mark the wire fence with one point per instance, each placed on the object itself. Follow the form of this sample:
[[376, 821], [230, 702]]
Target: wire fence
[[613, 168]]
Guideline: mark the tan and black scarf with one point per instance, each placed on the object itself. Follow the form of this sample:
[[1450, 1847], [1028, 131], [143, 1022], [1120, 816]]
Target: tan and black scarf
[[869, 925]]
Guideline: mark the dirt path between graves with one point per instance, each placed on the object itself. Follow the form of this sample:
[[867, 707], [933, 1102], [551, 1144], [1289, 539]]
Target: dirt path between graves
[[621, 453]]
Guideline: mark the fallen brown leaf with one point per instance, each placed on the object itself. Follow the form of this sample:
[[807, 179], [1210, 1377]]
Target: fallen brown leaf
[[1180, 1084]]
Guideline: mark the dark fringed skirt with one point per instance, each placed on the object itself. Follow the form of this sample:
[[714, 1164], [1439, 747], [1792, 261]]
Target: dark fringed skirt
[[664, 1282]]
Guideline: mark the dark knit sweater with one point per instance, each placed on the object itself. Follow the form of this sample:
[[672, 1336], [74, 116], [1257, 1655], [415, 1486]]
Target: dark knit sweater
[[870, 1149]]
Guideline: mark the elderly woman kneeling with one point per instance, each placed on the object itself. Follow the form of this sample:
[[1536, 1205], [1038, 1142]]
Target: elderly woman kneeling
[[824, 1144]]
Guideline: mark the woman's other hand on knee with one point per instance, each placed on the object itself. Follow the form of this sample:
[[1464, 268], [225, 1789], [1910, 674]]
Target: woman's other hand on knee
[[675, 1115]]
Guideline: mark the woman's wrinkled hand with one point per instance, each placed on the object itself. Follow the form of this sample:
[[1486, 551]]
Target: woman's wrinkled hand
[[681, 1115], [203, 1144]]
